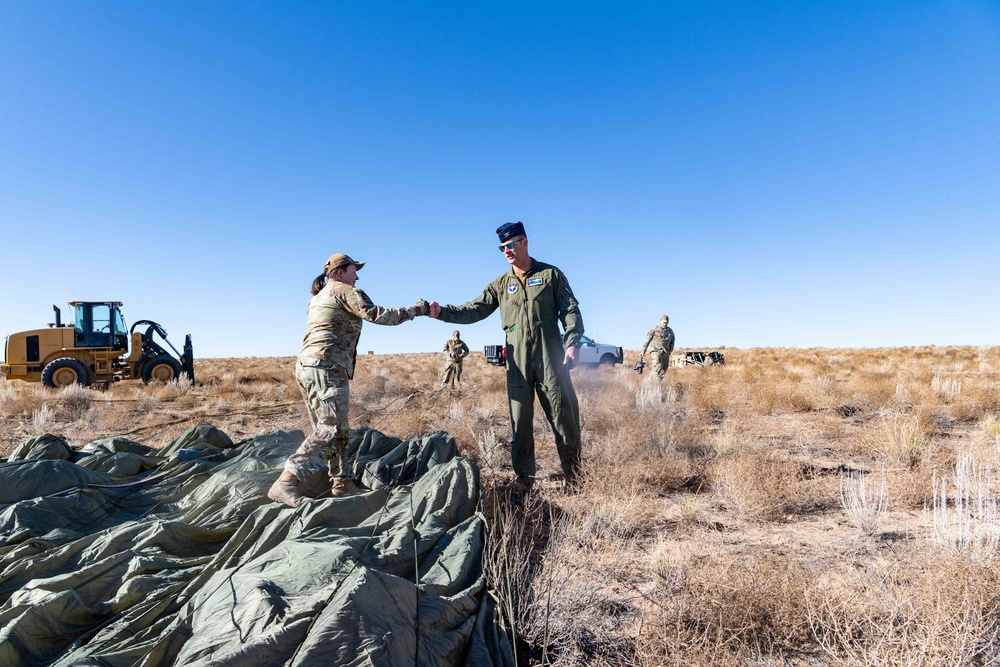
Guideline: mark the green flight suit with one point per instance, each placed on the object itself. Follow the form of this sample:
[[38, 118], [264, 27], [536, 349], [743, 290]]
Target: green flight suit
[[530, 312]]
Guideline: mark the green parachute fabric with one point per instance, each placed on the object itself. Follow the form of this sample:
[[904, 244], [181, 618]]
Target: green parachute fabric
[[123, 555]]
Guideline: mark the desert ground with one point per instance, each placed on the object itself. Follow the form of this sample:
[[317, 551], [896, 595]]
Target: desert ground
[[792, 507]]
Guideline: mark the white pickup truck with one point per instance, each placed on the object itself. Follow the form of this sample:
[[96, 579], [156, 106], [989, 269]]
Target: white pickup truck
[[592, 353]]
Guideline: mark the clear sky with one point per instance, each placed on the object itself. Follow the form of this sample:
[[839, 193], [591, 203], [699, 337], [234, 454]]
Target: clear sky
[[767, 173]]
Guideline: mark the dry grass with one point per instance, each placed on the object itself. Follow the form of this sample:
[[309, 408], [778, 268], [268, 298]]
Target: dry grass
[[767, 512]]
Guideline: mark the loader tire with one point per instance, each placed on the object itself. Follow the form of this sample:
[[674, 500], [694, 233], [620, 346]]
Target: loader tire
[[162, 367], [63, 372]]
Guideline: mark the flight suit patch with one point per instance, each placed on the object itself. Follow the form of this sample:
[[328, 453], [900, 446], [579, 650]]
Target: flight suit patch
[[535, 281], [512, 288]]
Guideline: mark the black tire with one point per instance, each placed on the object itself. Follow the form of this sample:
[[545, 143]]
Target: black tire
[[63, 372], [162, 367], [608, 360]]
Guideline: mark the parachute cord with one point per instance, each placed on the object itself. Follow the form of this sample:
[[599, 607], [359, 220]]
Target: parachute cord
[[416, 582]]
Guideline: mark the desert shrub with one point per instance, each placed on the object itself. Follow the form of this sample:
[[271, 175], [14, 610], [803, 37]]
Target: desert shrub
[[20, 400], [729, 439], [667, 565], [779, 394], [901, 437], [757, 601], [873, 386], [76, 399], [8, 399], [706, 392], [932, 611], [521, 568], [865, 500], [42, 420], [757, 483], [651, 452], [989, 428], [168, 391], [649, 395], [965, 513], [574, 613], [491, 451], [144, 401], [979, 397]]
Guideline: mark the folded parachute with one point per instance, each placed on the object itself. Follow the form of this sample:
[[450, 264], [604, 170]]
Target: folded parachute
[[119, 555]]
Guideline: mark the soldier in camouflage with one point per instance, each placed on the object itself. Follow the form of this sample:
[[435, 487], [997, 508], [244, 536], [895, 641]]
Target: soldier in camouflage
[[456, 350], [533, 299], [323, 371], [660, 341]]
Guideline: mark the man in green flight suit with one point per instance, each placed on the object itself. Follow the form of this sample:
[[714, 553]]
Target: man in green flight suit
[[533, 298]]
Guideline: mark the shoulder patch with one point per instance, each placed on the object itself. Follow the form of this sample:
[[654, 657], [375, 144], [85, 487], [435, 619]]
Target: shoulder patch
[[534, 281], [512, 288]]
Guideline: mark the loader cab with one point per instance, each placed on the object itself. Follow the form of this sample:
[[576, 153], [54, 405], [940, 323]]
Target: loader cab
[[100, 324]]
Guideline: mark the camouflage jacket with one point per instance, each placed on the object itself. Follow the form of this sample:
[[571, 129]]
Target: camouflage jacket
[[334, 323], [661, 339], [456, 349]]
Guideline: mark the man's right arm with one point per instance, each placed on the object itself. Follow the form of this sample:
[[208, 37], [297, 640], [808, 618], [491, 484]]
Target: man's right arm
[[473, 311]]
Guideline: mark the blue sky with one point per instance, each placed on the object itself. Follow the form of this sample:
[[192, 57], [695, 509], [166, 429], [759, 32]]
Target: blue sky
[[788, 174]]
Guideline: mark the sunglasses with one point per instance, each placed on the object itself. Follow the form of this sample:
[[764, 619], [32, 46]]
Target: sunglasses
[[508, 246]]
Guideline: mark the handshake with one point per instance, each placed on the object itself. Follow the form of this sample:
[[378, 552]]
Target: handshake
[[422, 307]]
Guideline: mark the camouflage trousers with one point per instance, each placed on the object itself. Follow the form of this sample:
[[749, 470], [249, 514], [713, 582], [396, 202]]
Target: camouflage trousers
[[660, 362], [326, 391], [452, 373]]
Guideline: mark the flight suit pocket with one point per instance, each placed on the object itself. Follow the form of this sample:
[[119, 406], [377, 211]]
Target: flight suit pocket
[[515, 374]]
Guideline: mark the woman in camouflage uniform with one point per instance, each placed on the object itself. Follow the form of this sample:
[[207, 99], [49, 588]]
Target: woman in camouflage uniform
[[323, 371]]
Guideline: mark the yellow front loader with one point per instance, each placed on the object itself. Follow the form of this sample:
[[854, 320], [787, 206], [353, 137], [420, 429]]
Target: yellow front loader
[[96, 348]]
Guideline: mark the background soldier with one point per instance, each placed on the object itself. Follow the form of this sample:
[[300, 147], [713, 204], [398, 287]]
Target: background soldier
[[456, 350], [533, 299], [323, 370], [662, 339]]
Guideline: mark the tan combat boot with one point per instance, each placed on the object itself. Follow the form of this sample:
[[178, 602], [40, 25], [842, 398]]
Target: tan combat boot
[[341, 485], [286, 490]]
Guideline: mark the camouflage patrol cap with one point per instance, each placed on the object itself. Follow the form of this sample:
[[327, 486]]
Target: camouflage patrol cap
[[509, 230], [454, 333], [339, 260], [664, 318]]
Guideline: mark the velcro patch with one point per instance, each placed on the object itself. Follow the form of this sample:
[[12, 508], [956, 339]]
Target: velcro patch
[[512, 287], [534, 281]]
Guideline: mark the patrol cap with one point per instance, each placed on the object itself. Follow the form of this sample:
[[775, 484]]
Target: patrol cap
[[664, 318], [455, 333], [509, 230], [339, 260]]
